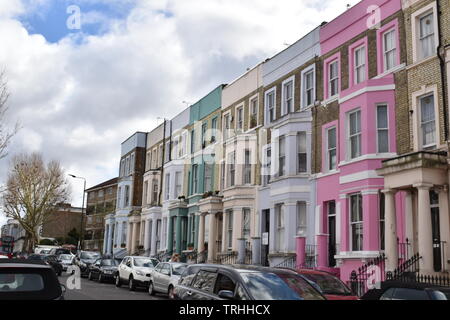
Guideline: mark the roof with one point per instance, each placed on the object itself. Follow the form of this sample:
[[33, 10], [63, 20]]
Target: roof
[[23, 263], [104, 184]]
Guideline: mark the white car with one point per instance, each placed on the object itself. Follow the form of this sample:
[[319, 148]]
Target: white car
[[135, 271], [165, 277], [66, 260], [3, 257]]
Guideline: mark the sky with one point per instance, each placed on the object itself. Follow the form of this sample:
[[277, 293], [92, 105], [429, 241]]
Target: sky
[[82, 83]]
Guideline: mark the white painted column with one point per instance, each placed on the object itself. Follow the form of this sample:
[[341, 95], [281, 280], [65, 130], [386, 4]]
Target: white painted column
[[201, 234], [390, 221], [134, 238], [153, 238], [424, 228], [290, 226], [119, 228], [212, 237], [105, 239], [444, 223], [409, 220], [224, 231], [129, 236], [147, 235], [237, 228]]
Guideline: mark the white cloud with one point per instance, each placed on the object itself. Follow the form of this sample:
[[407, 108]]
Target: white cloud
[[79, 98]]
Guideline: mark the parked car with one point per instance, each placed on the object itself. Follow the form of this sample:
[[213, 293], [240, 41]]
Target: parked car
[[221, 282], [3, 257], [28, 280], [66, 260], [330, 286], [50, 260], [165, 277], [103, 270], [135, 271], [84, 259], [58, 251], [397, 290]]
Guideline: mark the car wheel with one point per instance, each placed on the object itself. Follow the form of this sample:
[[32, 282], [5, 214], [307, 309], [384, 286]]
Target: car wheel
[[131, 284], [151, 290], [118, 282], [90, 276], [171, 293]]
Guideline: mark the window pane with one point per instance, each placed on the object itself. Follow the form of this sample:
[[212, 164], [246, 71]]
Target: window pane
[[382, 117], [332, 138]]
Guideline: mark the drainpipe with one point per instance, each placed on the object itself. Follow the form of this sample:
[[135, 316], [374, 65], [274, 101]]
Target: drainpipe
[[441, 54], [162, 164]]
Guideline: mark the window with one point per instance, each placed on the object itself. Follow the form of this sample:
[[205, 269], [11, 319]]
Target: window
[[331, 146], [230, 230], [208, 177], [177, 184], [192, 141], [204, 281], [204, 129], [390, 49], [268, 165], [183, 141], [122, 167], [148, 160], [282, 156], [127, 168], [160, 155], [100, 193], [119, 197], [231, 168], [154, 159], [308, 88], [360, 65], [194, 179], [213, 129], [333, 79], [356, 222], [224, 283], [175, 151], [301, 219], [109, 190], [127, 196], [145, 192], [354, 120], [302, 153], [428, 121], [279, 214], [240, 118], [270, 105], [222, 175], [426, 35], [167, 152], [382, 129], [253, 113], [246, 224], [167, 183], [154, 192], [132, 163], [226, 126], [288, 96], [247, 168]]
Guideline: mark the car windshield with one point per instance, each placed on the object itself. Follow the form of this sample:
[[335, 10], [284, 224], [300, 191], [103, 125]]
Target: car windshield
[[270, 286], [142, 262], [109, 263], [178, 269], [328, 284], [89, 255], [65, 257], [15, 282]]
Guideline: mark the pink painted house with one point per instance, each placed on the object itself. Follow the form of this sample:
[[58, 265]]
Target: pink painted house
[[361, 50]]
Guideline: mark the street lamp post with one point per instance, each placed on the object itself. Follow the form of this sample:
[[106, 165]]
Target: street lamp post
[[80, 242]]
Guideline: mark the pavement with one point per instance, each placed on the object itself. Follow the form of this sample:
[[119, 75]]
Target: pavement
[[93, 290]]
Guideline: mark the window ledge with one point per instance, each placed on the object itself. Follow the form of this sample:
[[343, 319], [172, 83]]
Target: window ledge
[[419, 62]]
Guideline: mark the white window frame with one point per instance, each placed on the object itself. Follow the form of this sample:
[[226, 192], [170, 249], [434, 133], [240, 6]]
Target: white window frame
[[266, 105], [226, 123], [247, 168], [231, 169], [246, 224], [254, 98], [349, 136], [284, 110], [416, 108], [386, 52], [328, 158], [194, 179], [230, 219], [415, 21], [281, 168], [304, 73], [330, 80], [353, 223], [208, 175], [382, 129], [178, 184], [280, 227], [167, 187], [356, 67], [299, 153], [421, 124], [301, 229], [239, 123]]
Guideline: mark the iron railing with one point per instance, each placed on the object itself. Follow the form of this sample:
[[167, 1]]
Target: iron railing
[[311, 257], [404, 251], [359, 279], [290, 262], [407, 269], [228, 258]]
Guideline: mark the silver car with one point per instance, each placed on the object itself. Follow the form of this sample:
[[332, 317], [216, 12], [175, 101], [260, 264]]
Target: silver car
[[165, 277], [66, 260]]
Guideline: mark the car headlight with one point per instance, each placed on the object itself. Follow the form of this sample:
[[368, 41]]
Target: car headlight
[[139, 273]]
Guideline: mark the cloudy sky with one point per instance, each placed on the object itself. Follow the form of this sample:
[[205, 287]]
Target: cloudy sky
[[78, 93]]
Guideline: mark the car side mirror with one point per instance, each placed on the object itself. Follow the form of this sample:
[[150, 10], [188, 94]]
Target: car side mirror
[[226, 294]]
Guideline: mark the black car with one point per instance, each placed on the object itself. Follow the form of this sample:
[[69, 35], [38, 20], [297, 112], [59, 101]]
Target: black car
[[28, 280], [103, 270], [397, 290], [84, 259], [50, 260], [219, 282]]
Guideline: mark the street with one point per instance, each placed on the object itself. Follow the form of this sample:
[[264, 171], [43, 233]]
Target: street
[[92, 290]]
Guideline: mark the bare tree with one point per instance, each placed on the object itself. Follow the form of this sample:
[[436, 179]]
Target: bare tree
[[5, 134], [33, 192]]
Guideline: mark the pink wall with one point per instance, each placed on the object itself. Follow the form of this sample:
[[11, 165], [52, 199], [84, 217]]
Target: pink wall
[[354, 21]]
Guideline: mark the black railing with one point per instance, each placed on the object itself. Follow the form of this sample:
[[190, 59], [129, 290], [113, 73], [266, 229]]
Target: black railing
[[310, 258], [407, 269], [290, 262], [374, 270], [228, 258], [404, 251]]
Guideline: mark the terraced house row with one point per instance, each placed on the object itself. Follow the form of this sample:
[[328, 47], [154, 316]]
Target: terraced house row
[[327, 155]]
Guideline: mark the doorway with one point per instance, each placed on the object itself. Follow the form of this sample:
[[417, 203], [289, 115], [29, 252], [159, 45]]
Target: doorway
[[331, 207]]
